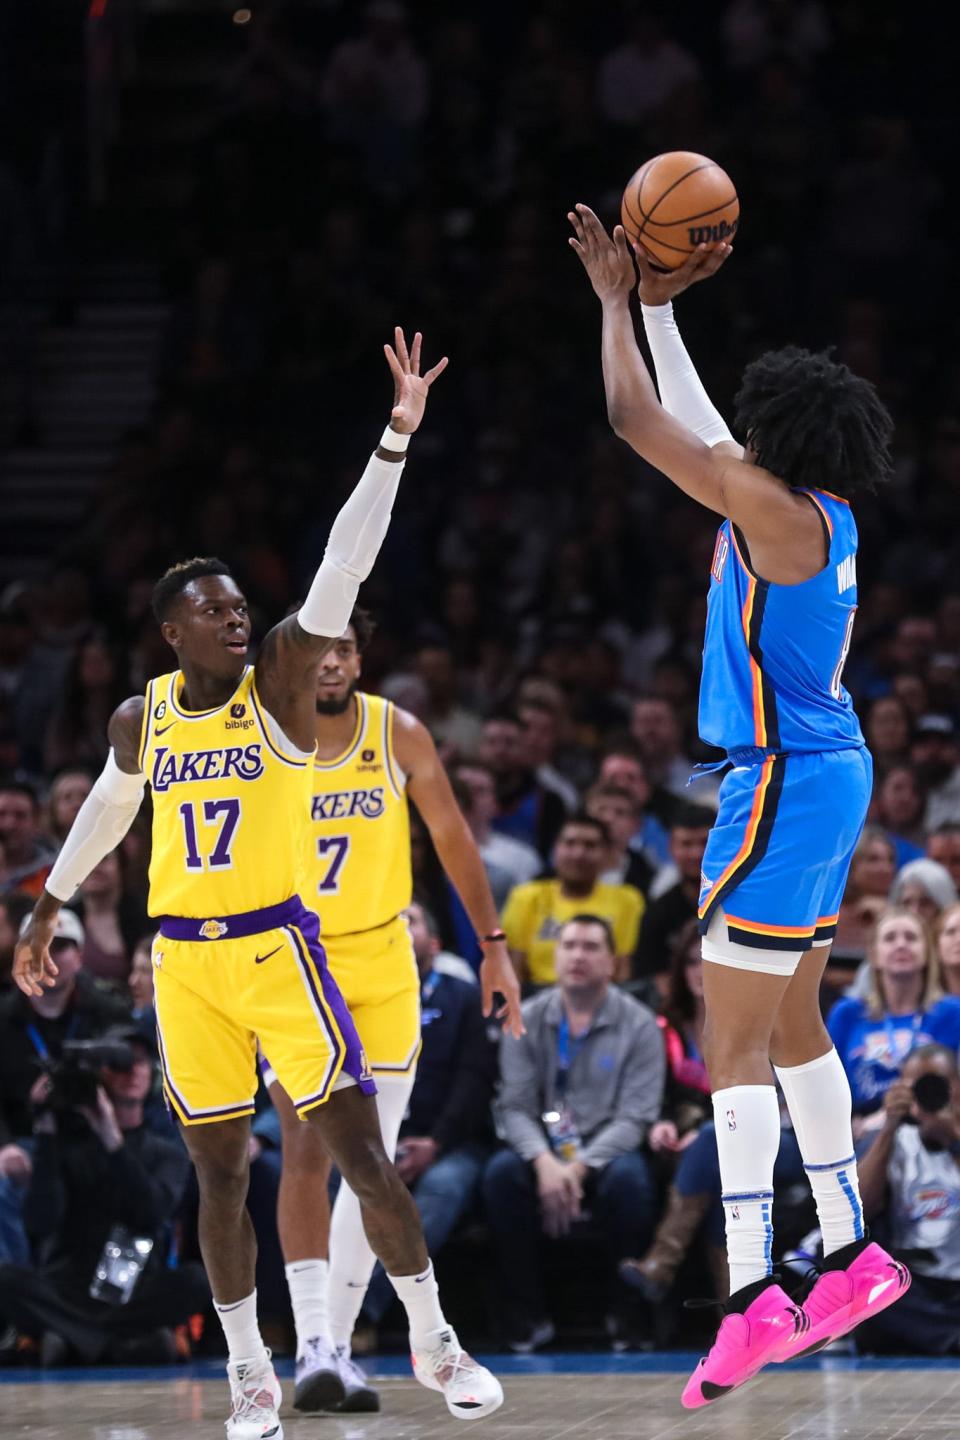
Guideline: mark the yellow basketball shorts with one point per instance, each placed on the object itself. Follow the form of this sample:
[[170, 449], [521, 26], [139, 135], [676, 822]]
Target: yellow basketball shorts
[[376, 973], [222, 984]]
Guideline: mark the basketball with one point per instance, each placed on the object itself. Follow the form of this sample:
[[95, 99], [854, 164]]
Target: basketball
[[676, 202]]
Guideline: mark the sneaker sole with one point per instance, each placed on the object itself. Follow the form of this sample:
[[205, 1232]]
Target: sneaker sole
[[359, 1402], [321, 1391]]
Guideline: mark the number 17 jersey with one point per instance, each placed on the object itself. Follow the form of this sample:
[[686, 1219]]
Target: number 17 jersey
[[230, 797], [773, 655]]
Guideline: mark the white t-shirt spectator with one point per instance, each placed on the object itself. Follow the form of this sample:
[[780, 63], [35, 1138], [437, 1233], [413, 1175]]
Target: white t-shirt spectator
[[925, 1204]]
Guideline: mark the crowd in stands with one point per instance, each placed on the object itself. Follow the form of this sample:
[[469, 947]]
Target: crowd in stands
[[541, 602]]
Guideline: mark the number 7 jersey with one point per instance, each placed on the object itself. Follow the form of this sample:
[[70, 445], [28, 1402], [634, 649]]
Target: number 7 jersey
[[230, 799], [358, 874], [773, 655]]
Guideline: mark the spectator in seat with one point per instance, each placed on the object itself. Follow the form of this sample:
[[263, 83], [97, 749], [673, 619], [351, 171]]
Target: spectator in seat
[[619, 811], [504, 854], [67, 793], [103, 1172], [948, 948], [28, 856], [622, 765], [905, 1008], [535, 913], [655, 725], [668, 914], [910, 1188], [899, 810], [887, 727], [447, 1134], [943, 845], [924, 887], [936, 758], [140, 982], [525, 810], [872, 872], [13, 906], [578, 1094], [540, 721], [112, 920]]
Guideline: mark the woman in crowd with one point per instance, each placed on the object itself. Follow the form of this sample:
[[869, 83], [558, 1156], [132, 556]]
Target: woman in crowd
[[948, 949], [925, 887], [887, 728], [905, 1008], [67, 793], [94, 687], [872, 873], [113, 921]]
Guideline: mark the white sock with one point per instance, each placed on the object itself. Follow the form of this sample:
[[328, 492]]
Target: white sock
[[307, 1283], [818, 1098], [240, 1327], [747, 1121], [421, 1300], [351, 1259]]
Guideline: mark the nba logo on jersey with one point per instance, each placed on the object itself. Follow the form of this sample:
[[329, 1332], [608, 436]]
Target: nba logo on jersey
[[731, 1120], [213, 929]]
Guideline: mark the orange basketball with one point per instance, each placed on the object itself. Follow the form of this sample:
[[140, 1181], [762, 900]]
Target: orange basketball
[[676, 202]]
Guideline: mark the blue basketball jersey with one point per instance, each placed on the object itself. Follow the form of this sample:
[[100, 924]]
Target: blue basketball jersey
[[773, 655]]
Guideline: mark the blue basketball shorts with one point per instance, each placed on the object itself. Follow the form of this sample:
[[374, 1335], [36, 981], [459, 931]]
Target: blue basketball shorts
[[777, 857]]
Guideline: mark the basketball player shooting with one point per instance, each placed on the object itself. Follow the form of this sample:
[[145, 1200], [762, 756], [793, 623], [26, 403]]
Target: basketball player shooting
[[228, 751], [782, 600]]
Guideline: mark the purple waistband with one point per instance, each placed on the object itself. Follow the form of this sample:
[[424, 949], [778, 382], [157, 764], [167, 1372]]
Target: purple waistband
[[232, 927]]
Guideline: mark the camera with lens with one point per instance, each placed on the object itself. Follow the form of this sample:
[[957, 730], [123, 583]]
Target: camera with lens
[[75, 1075], [932, 1093]]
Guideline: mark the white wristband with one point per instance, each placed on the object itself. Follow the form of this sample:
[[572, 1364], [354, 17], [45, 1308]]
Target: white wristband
[[393, 440]]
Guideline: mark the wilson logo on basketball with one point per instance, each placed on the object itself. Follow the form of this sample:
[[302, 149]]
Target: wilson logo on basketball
[[712, 234]]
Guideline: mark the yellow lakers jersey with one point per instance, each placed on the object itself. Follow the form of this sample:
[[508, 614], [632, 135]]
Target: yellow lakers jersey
[[358, 866], [229, 800]]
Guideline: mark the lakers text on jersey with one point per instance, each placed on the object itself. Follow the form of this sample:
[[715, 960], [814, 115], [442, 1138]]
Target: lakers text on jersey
[[358, 878], [238, 955]]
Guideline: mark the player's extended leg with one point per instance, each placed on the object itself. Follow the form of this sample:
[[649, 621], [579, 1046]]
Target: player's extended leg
[[220, 1154], [303, 1223], [859, 1278], [350, 1128], [761, 1324]]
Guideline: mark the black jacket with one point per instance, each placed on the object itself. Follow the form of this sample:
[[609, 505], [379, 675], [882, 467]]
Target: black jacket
[[453, 1091]]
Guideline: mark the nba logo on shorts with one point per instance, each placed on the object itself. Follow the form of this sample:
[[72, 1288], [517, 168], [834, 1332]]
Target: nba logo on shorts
[[731, 1120], [365, 1072], [734, 1212], [212, 929]]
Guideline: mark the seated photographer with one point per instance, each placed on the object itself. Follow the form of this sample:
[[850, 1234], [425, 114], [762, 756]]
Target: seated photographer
[[99, 1208], [579, 1092], [32, 1035], [910, 1188]]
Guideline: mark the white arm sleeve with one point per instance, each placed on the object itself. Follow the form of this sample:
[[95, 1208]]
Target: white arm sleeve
[[353, 546], [104, 818], [681, 391]]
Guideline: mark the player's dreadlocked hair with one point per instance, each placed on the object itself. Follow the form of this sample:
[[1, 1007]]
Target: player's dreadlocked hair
[[178, 577], [812, 422]]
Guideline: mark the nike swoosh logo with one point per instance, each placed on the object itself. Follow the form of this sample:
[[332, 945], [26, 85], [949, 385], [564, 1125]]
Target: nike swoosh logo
[[260, 958], [165, 728]]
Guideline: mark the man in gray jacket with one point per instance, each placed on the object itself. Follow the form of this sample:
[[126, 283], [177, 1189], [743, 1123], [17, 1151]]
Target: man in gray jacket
[[578, 1093]]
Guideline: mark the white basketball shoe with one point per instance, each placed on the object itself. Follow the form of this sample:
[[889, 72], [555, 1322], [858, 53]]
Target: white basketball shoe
[[470, 1390], [318, 1384], [256, 1395]]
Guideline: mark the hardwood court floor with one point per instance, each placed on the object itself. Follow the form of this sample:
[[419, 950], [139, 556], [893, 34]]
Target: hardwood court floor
[[834, 1402]]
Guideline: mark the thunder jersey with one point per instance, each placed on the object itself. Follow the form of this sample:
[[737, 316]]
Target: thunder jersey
[[773, 655], [229, 798], [358, 867]]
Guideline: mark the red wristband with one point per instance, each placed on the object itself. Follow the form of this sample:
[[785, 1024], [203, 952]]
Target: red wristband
[[489, 939]]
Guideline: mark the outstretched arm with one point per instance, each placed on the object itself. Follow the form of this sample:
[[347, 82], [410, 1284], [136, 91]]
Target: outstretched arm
[[430, 791], [102, 821], [287, 663], [760, 503]]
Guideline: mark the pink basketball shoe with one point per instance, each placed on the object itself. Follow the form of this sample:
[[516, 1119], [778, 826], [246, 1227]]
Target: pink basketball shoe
[[768, 1328], [850, 1292]]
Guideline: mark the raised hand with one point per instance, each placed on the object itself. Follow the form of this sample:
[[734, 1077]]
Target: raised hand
[[607, 261], [658, 286], [410, 388]]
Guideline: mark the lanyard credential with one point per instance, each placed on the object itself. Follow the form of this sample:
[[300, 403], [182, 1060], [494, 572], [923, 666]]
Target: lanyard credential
[[568, 1048], [429, 985], [40, 1045]]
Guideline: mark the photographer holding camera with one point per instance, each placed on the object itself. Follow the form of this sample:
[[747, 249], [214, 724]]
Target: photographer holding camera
[[33, 1032], [99, 1205], [910, 1185]]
